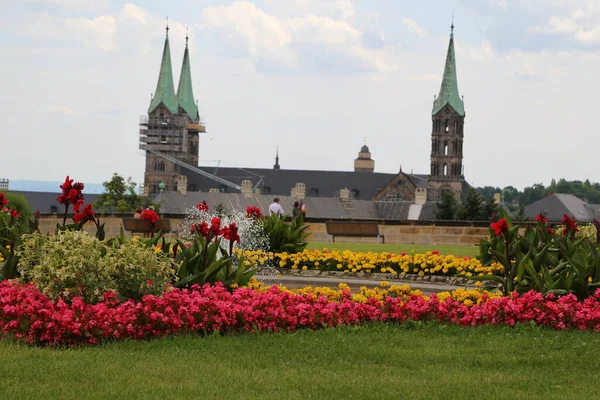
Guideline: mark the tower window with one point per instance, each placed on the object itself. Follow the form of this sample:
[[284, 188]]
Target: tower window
[[445, 170], [447, 126], [159, 166], [445, 148]]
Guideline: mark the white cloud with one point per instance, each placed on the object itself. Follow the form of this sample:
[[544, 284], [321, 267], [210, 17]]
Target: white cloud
[[581, 24], [413, 27], [61, 110], [131, 28], [293, 41], [97, 32], [481, 53]]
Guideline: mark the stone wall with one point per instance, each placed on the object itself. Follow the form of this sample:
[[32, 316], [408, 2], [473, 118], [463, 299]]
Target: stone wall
[[409, 234], [394, 233]]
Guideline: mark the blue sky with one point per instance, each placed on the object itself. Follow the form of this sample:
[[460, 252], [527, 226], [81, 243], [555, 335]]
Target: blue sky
[[314, 77]]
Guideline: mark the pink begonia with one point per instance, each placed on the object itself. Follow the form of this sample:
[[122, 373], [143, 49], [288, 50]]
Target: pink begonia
[[28, 315]]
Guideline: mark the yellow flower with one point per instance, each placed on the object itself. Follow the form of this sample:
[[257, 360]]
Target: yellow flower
[[304, 268], [384, 283]]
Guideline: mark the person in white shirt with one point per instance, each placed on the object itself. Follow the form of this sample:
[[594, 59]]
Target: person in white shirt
[[275, 208]]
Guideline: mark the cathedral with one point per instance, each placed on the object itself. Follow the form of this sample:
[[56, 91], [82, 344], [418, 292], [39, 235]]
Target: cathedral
[[170, 134]]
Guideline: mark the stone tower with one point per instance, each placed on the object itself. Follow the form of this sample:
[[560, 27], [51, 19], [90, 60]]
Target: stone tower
[[364, 162], [448, 117], [171, 127]]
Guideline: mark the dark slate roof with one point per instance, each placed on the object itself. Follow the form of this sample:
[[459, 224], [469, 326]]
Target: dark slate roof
[[281, 181], [318, 207], [559, 204], [419, 180], [45, 201], [364, 149]]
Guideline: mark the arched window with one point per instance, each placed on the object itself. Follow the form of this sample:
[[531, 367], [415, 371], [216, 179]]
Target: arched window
[[445, 170], [446, 148], [159, 166], [447, 126]]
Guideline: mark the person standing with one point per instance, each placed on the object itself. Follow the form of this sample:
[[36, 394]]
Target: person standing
[[296, 209], [275, 208]]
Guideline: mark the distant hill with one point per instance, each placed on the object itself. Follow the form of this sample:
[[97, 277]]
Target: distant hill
[[43, 186]]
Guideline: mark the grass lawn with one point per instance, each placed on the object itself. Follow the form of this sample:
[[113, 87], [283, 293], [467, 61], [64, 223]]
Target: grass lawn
[[398, 248], [375, 362]]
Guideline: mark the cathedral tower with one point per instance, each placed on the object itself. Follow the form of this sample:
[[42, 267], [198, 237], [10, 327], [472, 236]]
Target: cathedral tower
[[169, 133], [448, 116]]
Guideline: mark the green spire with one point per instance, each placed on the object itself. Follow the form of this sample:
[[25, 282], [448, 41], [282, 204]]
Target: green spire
[[165, 91], [185, 94], [449, 89]]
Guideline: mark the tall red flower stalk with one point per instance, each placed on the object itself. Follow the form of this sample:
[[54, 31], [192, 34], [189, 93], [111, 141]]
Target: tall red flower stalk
[[71, 195]]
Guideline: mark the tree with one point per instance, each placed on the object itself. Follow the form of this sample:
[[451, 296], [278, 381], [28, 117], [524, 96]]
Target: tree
[[509, 194], [521, 216], [446, 207], [120, 196], [471, 208], [488, 209], [487, 191]]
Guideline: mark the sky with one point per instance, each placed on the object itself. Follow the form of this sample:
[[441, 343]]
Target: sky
[[315, 77]]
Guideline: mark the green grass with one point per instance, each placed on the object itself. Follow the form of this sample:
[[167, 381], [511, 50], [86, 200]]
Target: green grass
[[375, 362], [398, 248]]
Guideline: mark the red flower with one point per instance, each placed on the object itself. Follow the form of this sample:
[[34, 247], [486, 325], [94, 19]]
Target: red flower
[[231, 233], [202, 206], [541, 218], [215, 226], [253, 212], [67, 185], [550, 230], [201, 229], [569, 223], [14, 214], [500, 227], [87, 214], [71, 194], [3, 200], [150, 216]]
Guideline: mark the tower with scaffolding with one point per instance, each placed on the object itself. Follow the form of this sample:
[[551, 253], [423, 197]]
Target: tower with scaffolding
[[169, 133]]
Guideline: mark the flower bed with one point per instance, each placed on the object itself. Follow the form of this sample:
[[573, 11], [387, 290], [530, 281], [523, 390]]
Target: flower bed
[[28, 315], [430, 263]]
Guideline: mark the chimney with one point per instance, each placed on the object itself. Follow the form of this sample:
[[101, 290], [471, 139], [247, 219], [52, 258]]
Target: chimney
[[345, 194], [182, 184], [421, 196], [299, 191], [497, 198], [247, 188]]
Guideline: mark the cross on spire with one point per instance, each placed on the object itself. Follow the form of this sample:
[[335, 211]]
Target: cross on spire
[[186, 36], [167, 28], [452, 26]]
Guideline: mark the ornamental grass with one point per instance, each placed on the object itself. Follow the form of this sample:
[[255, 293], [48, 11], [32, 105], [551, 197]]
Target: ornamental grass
[[429, 263], [28, 315]]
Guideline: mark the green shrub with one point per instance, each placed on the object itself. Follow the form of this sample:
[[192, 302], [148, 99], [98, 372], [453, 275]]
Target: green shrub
[[283, 236], [65, 265], [138, 270], [73, 263]]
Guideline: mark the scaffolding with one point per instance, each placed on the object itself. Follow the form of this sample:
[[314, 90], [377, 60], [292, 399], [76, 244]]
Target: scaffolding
[[169, 139]]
